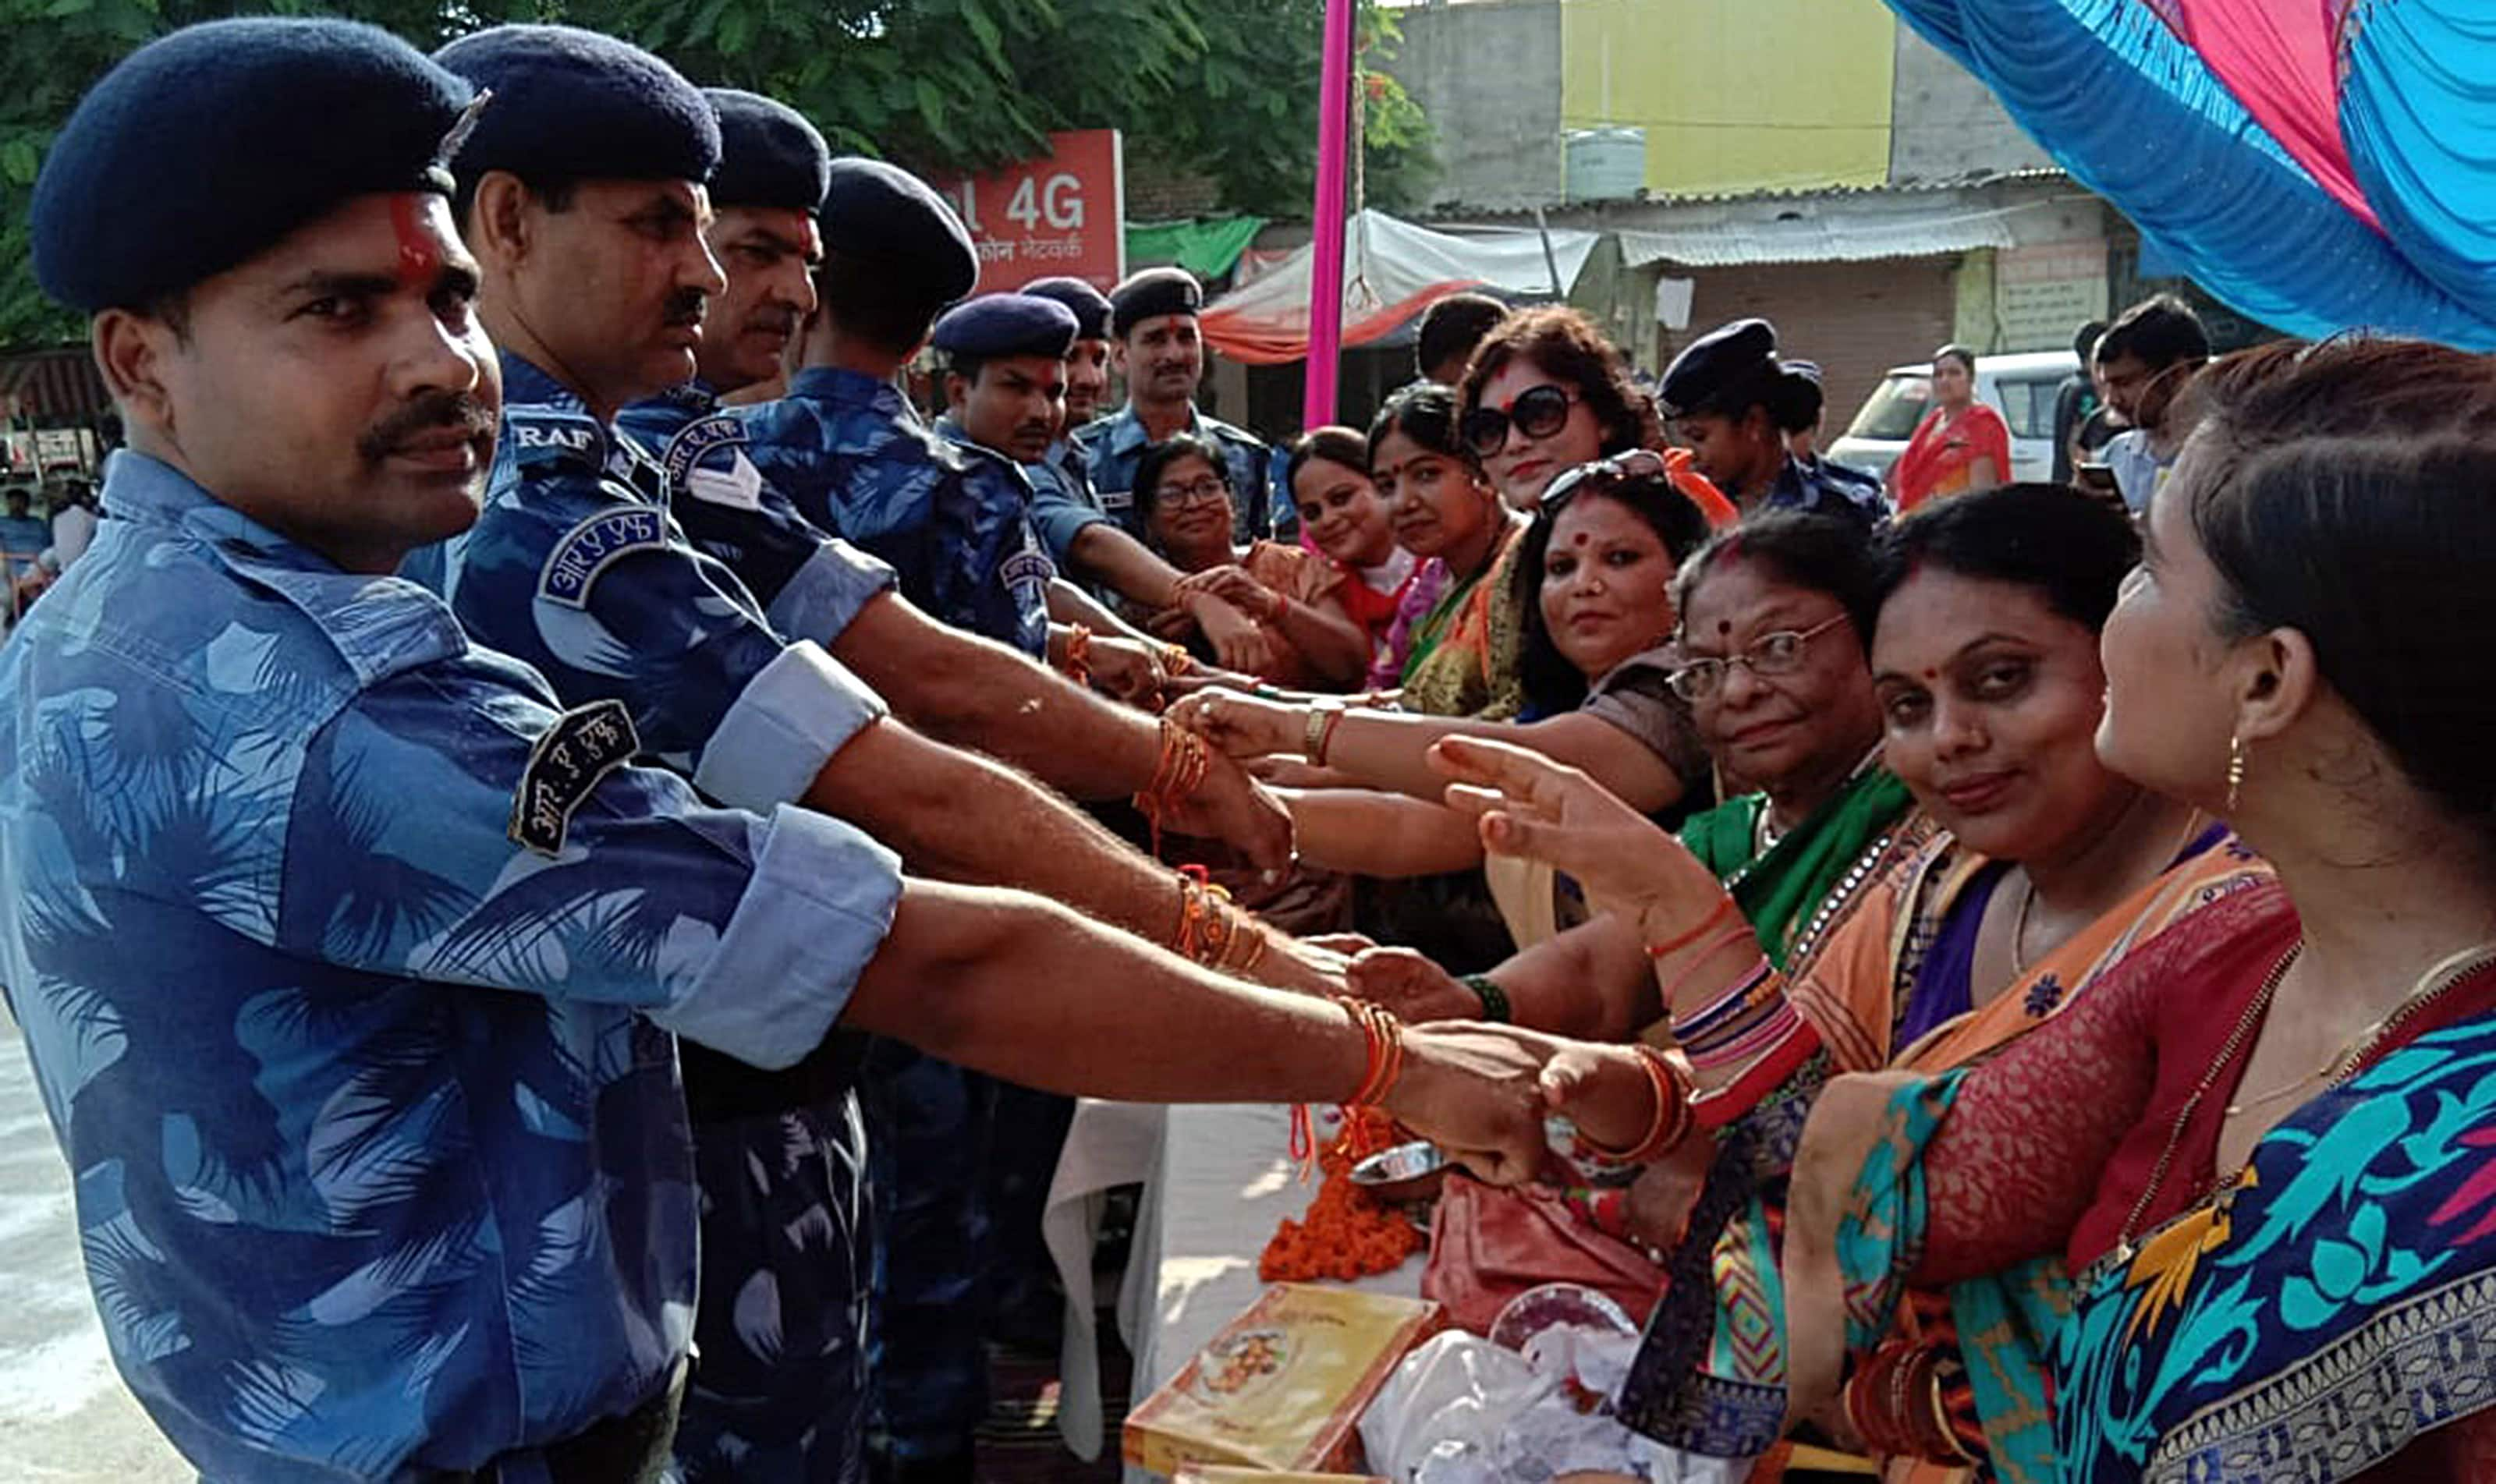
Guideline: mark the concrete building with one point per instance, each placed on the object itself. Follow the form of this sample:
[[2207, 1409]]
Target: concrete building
[[1812, 160]]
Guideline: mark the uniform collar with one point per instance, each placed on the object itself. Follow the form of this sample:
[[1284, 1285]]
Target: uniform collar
[[379, 624], [150, 491], [843, 388], [1127, 429], [525, 385]]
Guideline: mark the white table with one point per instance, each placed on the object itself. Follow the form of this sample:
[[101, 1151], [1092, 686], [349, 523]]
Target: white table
[[1217, 1180]]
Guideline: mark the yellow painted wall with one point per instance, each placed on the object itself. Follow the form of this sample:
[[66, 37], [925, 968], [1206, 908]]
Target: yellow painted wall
[[1735, 95]]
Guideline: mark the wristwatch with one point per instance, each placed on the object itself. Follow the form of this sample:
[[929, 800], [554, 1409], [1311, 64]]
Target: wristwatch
[[1323, 716]]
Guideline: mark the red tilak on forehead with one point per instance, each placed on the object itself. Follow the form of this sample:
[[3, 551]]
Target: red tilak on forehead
[[419, 258]]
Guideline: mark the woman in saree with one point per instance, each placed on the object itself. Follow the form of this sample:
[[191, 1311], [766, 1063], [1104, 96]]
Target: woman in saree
[[1791, 595], [2269, 1174], [1445, 512], [2048, 871]]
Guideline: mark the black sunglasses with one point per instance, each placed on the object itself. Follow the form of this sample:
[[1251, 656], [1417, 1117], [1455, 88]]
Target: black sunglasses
[[1619, 469], [1538, 412]]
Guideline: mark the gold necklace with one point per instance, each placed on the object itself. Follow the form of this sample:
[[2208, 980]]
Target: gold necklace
[[2019, 921], [2454, 970], [2451, 971]]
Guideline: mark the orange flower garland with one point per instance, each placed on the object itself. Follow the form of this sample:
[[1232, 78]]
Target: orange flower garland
[[1346, 1232]]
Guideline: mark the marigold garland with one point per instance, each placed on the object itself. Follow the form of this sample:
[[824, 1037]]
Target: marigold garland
[[1346, 1232]]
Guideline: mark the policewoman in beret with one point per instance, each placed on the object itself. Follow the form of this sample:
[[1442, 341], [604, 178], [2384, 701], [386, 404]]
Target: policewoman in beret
[[1734, 403], [346, 960], [1154, 344], [848, 449]]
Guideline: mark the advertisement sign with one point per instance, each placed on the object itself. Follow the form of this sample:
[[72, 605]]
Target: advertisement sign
[[1064, 213], [2042, 293]]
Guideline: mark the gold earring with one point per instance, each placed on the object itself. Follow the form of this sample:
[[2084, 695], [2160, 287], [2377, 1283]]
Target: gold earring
[[2235, 770]]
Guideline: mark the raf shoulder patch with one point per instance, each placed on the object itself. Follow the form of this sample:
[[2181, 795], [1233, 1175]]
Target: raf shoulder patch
[[589, 548], [544, 436], [578, 749]]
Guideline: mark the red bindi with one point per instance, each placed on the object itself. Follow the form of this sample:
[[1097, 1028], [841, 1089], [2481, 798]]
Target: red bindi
[[1932, 675], [419, 258]]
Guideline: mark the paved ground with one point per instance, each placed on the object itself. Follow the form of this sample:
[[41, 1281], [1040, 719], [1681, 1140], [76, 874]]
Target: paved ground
[[64, 1415]]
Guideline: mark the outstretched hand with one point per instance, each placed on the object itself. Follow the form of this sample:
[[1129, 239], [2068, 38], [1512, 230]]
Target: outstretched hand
[[1231, 807], [1476, 1092], [1242, 725], [1528, 805]]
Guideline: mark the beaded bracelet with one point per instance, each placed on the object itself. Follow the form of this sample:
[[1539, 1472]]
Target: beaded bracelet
[[1494, 1000]]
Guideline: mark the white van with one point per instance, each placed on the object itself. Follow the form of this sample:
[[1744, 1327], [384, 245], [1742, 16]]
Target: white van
[[2020, 387]]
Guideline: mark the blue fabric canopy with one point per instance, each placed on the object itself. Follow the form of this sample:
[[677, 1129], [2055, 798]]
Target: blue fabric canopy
[[2173, 133]]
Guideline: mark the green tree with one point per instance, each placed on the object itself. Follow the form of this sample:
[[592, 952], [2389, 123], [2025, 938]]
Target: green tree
[[1222, 87]]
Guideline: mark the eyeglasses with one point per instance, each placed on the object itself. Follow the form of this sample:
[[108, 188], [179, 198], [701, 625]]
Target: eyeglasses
[[1203, 491], [1770, 654], [1635, 464], [1538, 412]]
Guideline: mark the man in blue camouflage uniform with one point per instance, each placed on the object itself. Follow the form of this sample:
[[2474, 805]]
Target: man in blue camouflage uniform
[[345, 961], [1734, 401], [351, 1205], [576, 567], [772, 174], [1063, 502], [1154, 344], [848, 451]]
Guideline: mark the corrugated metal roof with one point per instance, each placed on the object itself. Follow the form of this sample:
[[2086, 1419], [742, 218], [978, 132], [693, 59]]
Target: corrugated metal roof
[[1822, 237]]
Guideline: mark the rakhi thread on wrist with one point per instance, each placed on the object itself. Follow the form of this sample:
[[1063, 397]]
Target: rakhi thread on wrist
[[1383, 1036], [1184, 763], [1673, 1122], [1076, 662], [1176, 661], [1212, 930], [1679, 940]]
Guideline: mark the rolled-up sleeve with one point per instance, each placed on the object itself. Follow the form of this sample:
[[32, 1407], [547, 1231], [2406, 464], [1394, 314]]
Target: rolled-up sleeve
[[1058, 516], [781, 729], [814, 915], [827, 594]]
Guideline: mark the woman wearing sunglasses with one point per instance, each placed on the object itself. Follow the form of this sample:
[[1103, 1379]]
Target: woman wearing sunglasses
[[1736, 404], [1605, 546], [2048, 871], [1291, 592]]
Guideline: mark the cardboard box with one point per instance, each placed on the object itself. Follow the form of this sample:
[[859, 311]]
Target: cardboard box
[[1283, 1386]]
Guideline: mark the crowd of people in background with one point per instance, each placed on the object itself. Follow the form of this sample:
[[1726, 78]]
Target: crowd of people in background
[[549, 750]]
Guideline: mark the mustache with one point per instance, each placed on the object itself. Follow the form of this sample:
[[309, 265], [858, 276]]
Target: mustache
[[687, 307], [430, 412]]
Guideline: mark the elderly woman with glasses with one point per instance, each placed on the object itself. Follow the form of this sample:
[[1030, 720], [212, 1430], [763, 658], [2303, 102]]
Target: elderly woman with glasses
[[1291, 592]]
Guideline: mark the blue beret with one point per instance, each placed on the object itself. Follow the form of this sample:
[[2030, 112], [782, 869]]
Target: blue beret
[[1150, 295], [1725, 359], [769, 154], [890, 220], [1000, 324], [194, 154], [1091, 306], [572, 105]]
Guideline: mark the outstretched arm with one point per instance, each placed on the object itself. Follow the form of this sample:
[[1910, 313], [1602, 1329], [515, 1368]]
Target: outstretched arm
[[978, 694], [1123, 1020]]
